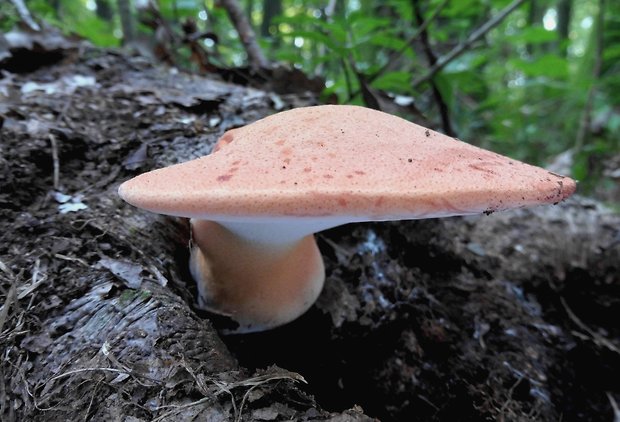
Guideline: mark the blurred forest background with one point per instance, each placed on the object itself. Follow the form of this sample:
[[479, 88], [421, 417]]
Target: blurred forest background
[[538, 80]]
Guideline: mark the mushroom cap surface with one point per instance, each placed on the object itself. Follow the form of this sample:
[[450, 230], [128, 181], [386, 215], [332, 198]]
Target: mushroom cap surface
[[339, 160]]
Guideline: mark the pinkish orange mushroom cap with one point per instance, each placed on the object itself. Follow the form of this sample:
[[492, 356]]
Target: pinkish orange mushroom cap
[[307, 169], [342, 161]]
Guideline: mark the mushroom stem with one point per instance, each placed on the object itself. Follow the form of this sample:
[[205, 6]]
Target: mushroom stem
[[259, 283]]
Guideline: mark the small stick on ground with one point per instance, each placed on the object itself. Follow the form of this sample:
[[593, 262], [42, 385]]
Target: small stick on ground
[[56, 161], [4, 311], [25, 290], [598, 339], [614, 406]]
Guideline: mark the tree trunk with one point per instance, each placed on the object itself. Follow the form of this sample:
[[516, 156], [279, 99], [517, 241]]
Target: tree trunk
[[127, 20], [534, 17], [256, 57], [565, 8], [104, 10], [271, 9]]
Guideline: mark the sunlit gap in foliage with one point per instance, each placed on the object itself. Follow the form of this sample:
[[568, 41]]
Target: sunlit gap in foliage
[[550, 20]]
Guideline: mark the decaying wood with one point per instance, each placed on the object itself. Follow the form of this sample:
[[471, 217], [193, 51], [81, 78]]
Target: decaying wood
[[417, 319], [98, 315]]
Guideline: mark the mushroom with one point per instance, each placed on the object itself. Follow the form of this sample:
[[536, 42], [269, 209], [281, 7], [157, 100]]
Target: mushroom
[[257, 200]]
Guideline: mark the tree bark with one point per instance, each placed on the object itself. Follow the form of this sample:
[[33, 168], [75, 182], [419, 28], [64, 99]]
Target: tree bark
[[535, 14], [104, 10], [127, 20], [565, 9], [271, 9]]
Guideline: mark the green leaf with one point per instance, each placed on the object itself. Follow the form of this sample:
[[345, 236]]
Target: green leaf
[[388, 41], [533, 35], [187, 4], [580, 166], [463, 8], [294, 20], [549, 65], [393, 82], [287, 56], [403, 9], [368, 25], [470, 82], [466, 62], [336, 31], [319, 38], [612, 52]]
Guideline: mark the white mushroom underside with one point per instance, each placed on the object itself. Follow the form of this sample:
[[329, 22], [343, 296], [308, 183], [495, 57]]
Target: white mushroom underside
[[286, 230]]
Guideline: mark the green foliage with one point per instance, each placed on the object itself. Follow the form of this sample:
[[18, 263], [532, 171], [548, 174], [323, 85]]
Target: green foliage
[[522, 90], [549, 66], [72, 17], [533, 35], [392, 81]]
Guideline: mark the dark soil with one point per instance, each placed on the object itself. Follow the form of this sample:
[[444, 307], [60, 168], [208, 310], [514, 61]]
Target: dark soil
[[512, 316]]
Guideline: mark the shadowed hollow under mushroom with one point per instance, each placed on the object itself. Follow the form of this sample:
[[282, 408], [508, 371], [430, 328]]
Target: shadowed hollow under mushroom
[[257, 200]]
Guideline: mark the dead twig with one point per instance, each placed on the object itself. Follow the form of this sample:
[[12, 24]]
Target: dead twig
[[598, 339], [614, 406], [347, 77], [55, 161], [35, 281], [81, 370], [178, 409], [427, 401], [509, 395], [72, 259], [461, 48], [25, 15], [4, 311], [245, 396], [105, 350], [225, 387], [6, 270], [248, 38], [396, 54], [92, 399], [10, 297], [369, 97], [432, 60], [256, 381]]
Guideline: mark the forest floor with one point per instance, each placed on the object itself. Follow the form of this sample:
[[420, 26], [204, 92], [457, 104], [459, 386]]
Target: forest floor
[[512, 316]]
